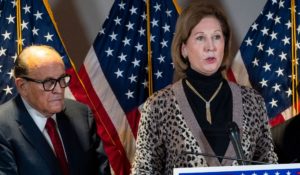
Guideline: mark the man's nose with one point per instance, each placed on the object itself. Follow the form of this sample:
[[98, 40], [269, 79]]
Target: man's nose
[[57, 88]]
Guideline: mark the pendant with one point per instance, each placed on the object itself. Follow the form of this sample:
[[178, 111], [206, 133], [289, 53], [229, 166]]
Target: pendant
[[208, 114]]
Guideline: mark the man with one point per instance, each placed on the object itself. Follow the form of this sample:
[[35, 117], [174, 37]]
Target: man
[[286, 137], [41, 133]]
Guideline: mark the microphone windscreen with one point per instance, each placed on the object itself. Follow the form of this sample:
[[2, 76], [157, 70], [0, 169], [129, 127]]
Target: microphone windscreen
[[233, 127]]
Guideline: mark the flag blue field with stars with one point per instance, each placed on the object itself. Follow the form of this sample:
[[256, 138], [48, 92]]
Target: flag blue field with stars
[[122, 49], [36, 27], [264, 58]]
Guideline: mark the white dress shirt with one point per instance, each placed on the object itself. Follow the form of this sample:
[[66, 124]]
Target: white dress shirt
[[40, 120]]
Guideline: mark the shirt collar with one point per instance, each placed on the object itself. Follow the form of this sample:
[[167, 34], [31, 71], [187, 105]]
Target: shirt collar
[[38, 118]]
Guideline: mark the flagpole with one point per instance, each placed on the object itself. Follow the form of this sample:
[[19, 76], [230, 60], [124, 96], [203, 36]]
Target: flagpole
[[19, 28], [177, 6], [294, 77], [150, 70], [90, 101]]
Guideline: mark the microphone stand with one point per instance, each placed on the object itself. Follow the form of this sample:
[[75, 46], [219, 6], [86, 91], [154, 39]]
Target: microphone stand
[[234, 135]]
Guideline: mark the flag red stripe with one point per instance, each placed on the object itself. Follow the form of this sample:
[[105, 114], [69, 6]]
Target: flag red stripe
[[76, 88], [276, 120], [133, 118], [112, 145], [230, 75]]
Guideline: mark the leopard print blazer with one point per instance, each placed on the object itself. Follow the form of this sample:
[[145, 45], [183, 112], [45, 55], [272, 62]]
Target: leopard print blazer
[[169, 135]]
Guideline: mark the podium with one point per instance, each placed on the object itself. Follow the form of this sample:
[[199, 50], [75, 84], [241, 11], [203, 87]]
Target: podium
[[270, 169]]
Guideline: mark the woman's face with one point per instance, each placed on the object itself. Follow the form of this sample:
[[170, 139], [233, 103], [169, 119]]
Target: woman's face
[[205, 46]]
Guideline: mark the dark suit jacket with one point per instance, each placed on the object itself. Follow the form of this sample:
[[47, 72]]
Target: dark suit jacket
[[25, 151], [286, 139]]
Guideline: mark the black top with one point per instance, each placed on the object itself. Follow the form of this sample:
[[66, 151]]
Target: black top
[[220, 107]]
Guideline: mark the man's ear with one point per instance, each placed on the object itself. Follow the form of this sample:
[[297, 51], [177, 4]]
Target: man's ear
[[21, 86]]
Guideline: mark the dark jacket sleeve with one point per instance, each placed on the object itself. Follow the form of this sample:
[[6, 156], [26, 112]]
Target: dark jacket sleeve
[[7, 160], [102, 160]]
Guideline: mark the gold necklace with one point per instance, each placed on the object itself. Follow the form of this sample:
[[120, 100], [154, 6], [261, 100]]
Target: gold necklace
[[207, 103]]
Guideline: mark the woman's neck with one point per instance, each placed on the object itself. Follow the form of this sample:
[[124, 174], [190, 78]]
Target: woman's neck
[[205, 85], [193, 75]]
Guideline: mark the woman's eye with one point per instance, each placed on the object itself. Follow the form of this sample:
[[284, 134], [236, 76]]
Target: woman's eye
[[217, 37], [200, 38]]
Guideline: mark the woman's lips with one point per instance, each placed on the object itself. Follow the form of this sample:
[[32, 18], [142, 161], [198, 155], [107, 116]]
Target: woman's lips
[[210, 59]]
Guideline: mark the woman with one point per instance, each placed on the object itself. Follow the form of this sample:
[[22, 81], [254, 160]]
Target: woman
[[189, 118]]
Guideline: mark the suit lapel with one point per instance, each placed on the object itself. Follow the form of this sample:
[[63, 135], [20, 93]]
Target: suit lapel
[[70, 141], [35, 137]]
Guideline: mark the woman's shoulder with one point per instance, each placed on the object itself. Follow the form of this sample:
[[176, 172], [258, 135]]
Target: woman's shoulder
[[245, 90], [164, 93], [163, 98]]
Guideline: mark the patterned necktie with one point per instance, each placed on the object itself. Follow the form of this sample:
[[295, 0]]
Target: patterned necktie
[[57, 144]]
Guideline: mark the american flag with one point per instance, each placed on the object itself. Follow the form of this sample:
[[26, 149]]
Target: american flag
[[37, 26], [115, 71], [264, 60]]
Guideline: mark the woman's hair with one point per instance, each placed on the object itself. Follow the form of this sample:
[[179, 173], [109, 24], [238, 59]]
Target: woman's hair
[[188, 19]]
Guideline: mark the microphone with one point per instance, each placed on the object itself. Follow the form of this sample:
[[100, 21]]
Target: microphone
[[234, 135], [226, 157]]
